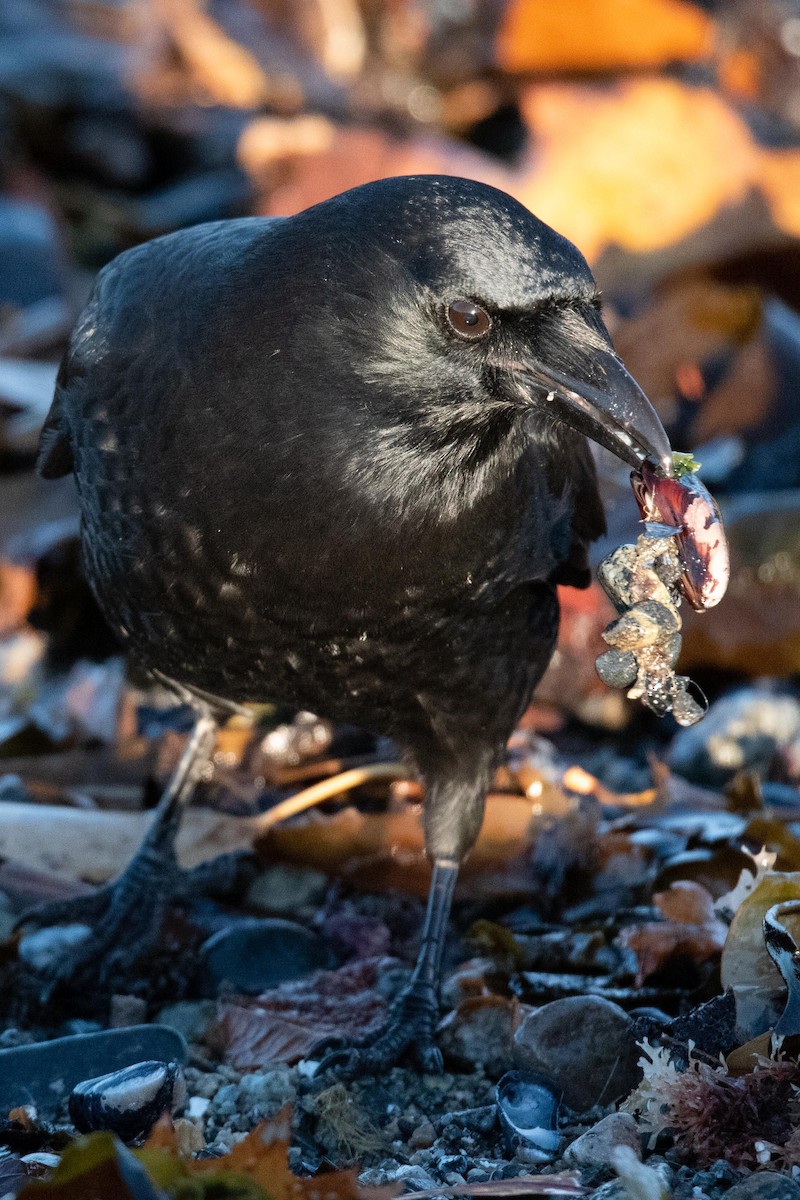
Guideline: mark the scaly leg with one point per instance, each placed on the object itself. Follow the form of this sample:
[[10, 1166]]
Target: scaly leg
[[127, 913], [452, 817], [414, 1015]]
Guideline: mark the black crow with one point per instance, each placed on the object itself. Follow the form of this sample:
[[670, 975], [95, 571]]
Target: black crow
[[339, 461]]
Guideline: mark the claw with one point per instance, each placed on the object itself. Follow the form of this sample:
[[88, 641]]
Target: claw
[[429, 1059], [407, 1034], [82, 910]]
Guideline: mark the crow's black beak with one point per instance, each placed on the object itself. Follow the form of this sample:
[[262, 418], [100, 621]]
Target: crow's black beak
[[585, 385]]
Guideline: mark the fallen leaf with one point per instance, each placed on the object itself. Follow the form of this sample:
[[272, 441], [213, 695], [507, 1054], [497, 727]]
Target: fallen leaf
[[284, 1024], [745, 1058], [601, 35], [98, 1165], [386, 850], [255, 1168], [691, 930], [746, 966]]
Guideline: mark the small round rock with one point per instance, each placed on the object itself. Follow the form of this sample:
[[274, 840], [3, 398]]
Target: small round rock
[[585, 1044], [765, 1185], [597, 1145]]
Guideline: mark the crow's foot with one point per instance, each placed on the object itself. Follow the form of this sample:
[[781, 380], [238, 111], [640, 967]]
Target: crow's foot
[[407, 1035], [124, 920]]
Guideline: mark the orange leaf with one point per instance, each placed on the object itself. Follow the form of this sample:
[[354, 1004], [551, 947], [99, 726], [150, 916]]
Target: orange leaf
[[162, 1135], [262, 1156], [601, 35]]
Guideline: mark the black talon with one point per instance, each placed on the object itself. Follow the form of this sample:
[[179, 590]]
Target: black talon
[[127, 914], [409, 1030]]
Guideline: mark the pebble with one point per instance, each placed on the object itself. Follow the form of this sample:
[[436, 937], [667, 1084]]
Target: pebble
[[765, 1185], [127, 1010], [191, 1018], [584, 1044], [482, 1119], [267, 1091], [467, 980], [189, 1137], [596, 1146], [423, 1136], [480, 1033], [284, 888], [412, 1175], [42, 949], [45, 1073], [252, 956]]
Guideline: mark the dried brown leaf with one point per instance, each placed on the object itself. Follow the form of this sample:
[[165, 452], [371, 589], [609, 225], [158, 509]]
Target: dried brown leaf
[[283, 1025], [691, 931]]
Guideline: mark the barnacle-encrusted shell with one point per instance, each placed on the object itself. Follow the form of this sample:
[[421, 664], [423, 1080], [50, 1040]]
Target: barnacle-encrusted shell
[[527, 1104], [129, 1101], [688, 507]]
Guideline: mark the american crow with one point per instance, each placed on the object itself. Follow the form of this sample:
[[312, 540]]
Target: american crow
[[338, 460]]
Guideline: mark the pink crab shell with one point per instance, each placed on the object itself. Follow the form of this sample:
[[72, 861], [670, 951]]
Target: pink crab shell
[[687, 506]]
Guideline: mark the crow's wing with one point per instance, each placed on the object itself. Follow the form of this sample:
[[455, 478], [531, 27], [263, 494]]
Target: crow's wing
[[96, 334]]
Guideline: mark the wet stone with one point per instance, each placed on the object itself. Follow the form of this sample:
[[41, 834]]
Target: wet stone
[[597, 1145], [482, 1120], [191, 1018], [254, 955], [584, 1043], [45, 1073], [423, 1136], [765, 1185]]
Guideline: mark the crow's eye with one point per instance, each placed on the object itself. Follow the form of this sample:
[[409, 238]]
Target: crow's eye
[[468, 319]]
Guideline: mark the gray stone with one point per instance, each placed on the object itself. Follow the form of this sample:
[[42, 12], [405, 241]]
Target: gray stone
[[46, 1072], [414, 1177], [253, 955], [481, 1120], [191, 1018], [285, 888], [43, 949], [595, 1147], [765, 1185], [423, 1136], [268, 1091], [585, 1044]]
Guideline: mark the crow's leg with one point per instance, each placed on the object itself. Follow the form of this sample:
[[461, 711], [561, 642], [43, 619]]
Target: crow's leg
[[127, 913], [409, 1031], [453, 816]]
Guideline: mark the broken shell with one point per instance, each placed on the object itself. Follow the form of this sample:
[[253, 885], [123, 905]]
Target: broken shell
[[783, 951], [686, 505], [685, 709], [527, 1104], [129, 1101]]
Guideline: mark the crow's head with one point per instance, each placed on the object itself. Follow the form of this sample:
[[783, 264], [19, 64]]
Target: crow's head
[[459, 307]]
